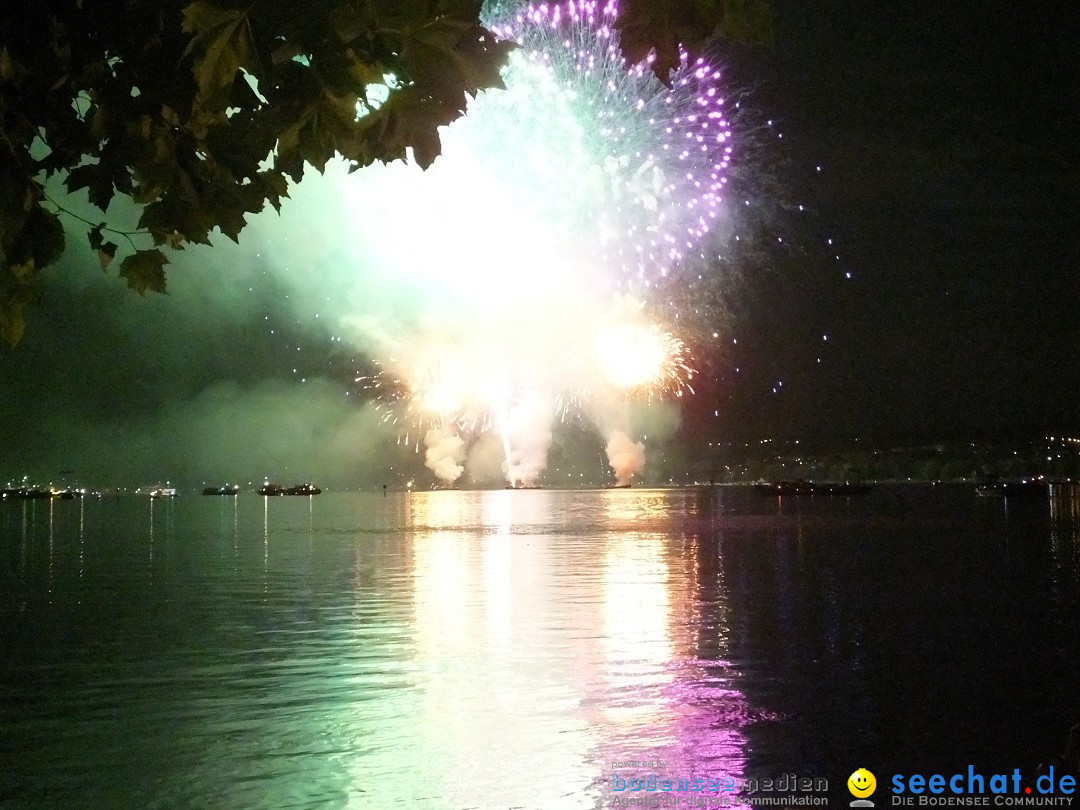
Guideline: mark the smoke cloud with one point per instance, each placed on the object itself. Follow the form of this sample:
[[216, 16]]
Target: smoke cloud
[[528, 439], [625, 456], [445, 454]]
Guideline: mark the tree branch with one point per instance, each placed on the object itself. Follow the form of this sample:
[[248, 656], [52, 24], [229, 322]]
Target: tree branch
[[60, 209]]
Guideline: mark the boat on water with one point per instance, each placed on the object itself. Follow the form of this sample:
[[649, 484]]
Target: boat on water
[[300, 489], [1025, 488], [42, 493], [157, 491], [30, 493], [805, 489], [225, 489]]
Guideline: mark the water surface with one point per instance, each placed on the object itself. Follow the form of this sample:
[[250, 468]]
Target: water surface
[[515, 648]]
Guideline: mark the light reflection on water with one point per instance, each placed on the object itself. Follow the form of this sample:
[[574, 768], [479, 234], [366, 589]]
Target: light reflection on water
[[498, 690], [504, 649]]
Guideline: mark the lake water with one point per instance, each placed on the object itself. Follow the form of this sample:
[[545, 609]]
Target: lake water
[[516, 649]]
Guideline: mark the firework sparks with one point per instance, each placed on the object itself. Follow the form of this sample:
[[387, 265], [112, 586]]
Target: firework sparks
[[647, 162], [556, 209]]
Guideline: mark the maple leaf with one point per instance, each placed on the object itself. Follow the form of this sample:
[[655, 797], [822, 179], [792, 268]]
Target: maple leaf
[[223, 40], [96, 179], [144, 271]]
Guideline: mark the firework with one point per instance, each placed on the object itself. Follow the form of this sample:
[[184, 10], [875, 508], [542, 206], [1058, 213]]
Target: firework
[[635, 167], [643, 359], [557, 208], [471, 384]]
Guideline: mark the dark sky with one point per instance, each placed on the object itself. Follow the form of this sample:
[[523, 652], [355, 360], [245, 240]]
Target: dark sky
[[946, 136]]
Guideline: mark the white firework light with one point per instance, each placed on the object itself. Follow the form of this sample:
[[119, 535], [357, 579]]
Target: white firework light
[[550, 221]]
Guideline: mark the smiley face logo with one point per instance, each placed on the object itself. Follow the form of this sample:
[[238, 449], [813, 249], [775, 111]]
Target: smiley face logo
[[861, 783]]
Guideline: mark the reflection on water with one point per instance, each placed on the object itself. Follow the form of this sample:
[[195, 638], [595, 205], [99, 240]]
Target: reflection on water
[[497, 685], [1065, 522], [522, 648], [637, 637]]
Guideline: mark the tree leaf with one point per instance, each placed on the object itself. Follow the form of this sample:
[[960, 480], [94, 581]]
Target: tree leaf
[[105, 254], [361, 70], [95, 236], [44, 236], [10, 70], [454, 58], [231, 221], [164, 216], [144, 271], [223, 38], [12, 322], [96, 178], [22, 272], [285, 52], [409, 120], [274, 186], [347, 24]]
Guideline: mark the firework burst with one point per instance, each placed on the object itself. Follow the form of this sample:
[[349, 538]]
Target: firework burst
[[586, 183], [638, 166], [471, 385]]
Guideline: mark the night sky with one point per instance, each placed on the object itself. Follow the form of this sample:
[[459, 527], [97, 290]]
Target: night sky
[[944, 309], [947, 140]]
